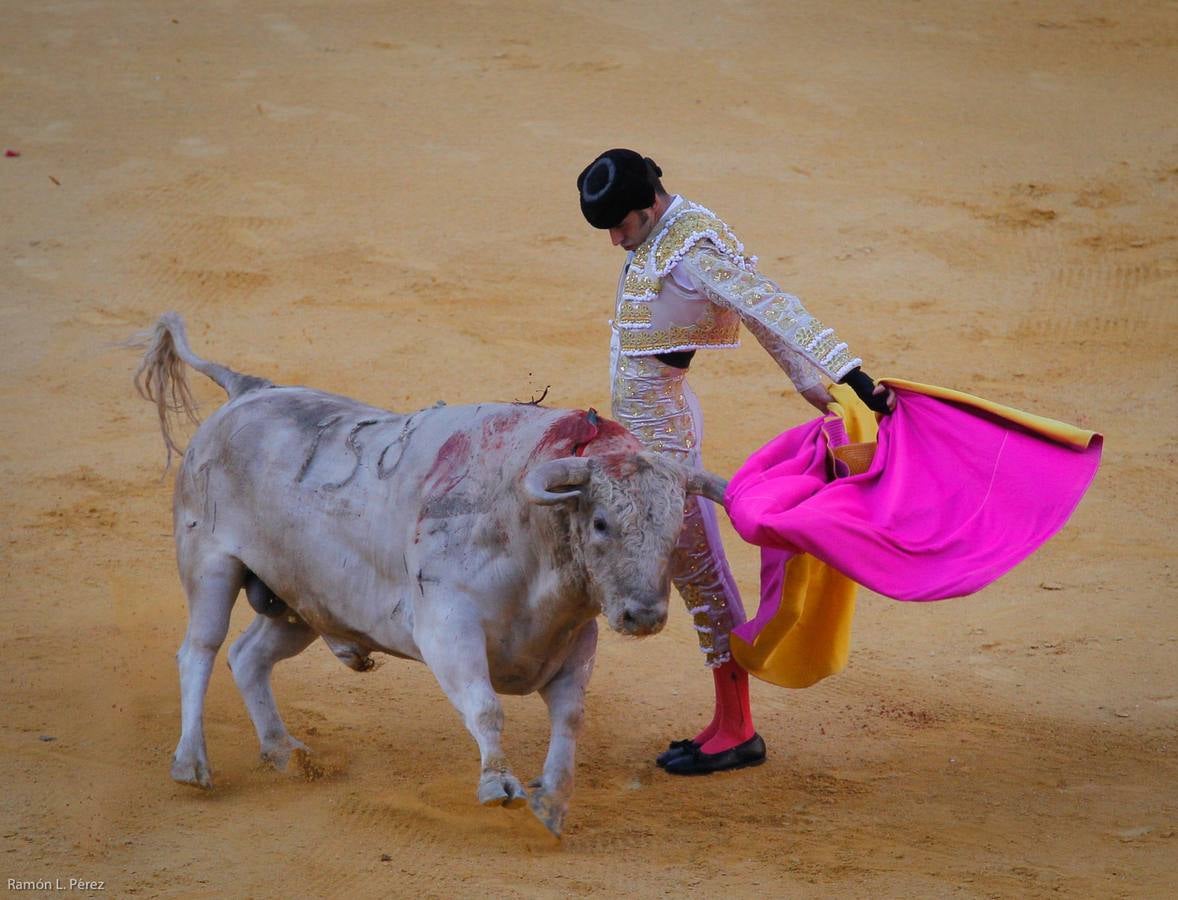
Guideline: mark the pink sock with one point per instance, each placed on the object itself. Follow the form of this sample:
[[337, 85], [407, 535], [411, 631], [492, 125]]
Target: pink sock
[[710, 729], [733, 720]]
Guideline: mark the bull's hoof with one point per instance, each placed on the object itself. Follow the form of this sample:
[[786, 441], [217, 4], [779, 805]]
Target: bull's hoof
[[501, 789], [192, 771], [548, 808], [278, 754]]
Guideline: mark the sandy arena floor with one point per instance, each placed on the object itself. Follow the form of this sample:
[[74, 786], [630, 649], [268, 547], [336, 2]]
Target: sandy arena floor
[[378, 199]]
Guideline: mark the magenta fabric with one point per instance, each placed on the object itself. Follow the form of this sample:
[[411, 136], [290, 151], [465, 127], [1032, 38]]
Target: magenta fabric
[[773, 563], [955, 497]]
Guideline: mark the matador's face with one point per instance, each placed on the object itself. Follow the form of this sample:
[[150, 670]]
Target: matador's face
[[634, 229]]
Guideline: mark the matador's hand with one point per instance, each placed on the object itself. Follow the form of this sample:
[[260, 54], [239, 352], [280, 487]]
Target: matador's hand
[[887, 395], [877, 397]]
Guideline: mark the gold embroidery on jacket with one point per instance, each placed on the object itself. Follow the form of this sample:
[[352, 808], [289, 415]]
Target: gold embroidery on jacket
[[633, 313], [653, 259], [711, 330], [638, 287]]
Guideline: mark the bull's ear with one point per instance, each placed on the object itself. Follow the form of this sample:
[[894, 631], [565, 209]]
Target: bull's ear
[[706, 485], [557, 480]]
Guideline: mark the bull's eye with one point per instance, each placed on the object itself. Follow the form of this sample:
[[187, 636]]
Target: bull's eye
[[599, 525]]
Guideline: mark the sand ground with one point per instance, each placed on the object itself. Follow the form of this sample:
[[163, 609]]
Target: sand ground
[[377, 199]]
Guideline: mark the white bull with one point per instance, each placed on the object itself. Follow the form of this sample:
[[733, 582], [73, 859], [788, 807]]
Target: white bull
[[481, 540]]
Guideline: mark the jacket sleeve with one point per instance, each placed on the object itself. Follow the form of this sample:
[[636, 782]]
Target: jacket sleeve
[[798, 342]]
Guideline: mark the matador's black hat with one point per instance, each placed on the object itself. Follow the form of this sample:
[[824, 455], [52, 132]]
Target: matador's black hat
[[615, 184]]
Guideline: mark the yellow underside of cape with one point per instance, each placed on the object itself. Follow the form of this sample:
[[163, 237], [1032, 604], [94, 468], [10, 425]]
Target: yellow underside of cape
[[1060, 432]]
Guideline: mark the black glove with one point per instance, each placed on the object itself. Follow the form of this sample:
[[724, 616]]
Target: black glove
[[860, 382]]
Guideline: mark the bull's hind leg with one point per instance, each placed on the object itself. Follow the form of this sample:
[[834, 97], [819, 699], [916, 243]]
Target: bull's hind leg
[[212, 586], [457, 656], [252, 658]]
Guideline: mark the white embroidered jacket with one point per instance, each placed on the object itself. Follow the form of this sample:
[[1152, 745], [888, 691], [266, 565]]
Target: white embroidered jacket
[[689, 286]]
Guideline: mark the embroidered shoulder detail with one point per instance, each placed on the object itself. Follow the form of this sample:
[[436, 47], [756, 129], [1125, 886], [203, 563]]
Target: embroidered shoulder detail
[[664, 249], [686, 230]]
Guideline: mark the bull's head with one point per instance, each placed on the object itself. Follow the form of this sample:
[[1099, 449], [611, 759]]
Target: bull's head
[[626, 513]]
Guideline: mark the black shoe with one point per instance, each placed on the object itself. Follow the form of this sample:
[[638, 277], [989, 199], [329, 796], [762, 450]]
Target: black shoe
[[696, 762], [674, 751]]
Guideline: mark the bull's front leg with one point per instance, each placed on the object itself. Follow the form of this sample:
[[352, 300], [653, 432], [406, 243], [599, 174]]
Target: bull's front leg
[[565, 698], [455, 652]]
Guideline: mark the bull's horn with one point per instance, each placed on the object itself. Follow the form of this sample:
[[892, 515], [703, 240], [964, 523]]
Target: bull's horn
[[707, 485], [543, 483]]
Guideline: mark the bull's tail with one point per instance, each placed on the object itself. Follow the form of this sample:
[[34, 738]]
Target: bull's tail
[[161, 377]]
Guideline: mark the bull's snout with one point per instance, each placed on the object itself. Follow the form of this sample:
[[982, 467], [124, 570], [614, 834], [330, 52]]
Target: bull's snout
[[640, 618]]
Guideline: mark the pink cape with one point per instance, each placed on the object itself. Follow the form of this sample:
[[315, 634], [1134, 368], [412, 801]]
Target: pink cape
[[957, 495]]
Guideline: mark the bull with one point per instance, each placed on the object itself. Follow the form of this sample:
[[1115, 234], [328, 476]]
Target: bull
[[481, 540]]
